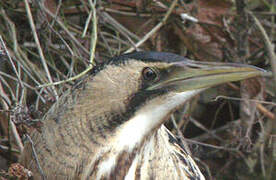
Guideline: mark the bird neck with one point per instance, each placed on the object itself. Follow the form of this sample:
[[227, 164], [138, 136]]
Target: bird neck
[[97, 111]]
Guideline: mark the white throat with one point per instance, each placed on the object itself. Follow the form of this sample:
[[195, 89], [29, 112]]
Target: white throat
[[149, 117], [133, 132]]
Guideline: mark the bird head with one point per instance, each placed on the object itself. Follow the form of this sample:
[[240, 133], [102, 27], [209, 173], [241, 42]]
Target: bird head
[[138, 91], [112, 119]]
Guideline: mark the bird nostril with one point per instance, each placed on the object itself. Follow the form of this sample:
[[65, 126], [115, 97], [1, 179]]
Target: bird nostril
[[194, 66]]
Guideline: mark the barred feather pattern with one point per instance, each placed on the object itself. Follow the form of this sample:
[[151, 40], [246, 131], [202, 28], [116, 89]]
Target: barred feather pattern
[[160, 157]]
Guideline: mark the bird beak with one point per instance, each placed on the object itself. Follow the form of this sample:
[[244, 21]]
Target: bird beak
[[191, 75]]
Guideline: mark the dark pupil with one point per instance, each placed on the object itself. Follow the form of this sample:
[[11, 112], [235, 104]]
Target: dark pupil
[[149, 74]]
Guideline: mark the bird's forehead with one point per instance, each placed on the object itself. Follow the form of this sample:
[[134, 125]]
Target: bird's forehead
[[140, 59], [149, 57]]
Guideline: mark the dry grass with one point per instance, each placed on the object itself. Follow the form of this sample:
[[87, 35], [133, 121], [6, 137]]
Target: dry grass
[[57, 42]]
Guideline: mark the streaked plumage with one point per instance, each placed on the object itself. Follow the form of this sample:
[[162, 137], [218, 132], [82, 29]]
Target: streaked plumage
[[110, 125]]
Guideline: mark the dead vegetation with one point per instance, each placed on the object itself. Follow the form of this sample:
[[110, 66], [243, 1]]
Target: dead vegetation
[[231, 128]]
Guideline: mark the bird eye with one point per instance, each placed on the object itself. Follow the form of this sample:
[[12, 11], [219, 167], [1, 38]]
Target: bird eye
[[149, 74]]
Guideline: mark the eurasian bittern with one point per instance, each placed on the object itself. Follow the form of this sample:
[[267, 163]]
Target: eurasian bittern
[[110, 125]]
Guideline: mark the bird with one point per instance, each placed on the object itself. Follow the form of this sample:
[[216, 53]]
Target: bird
[[110, 125]]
